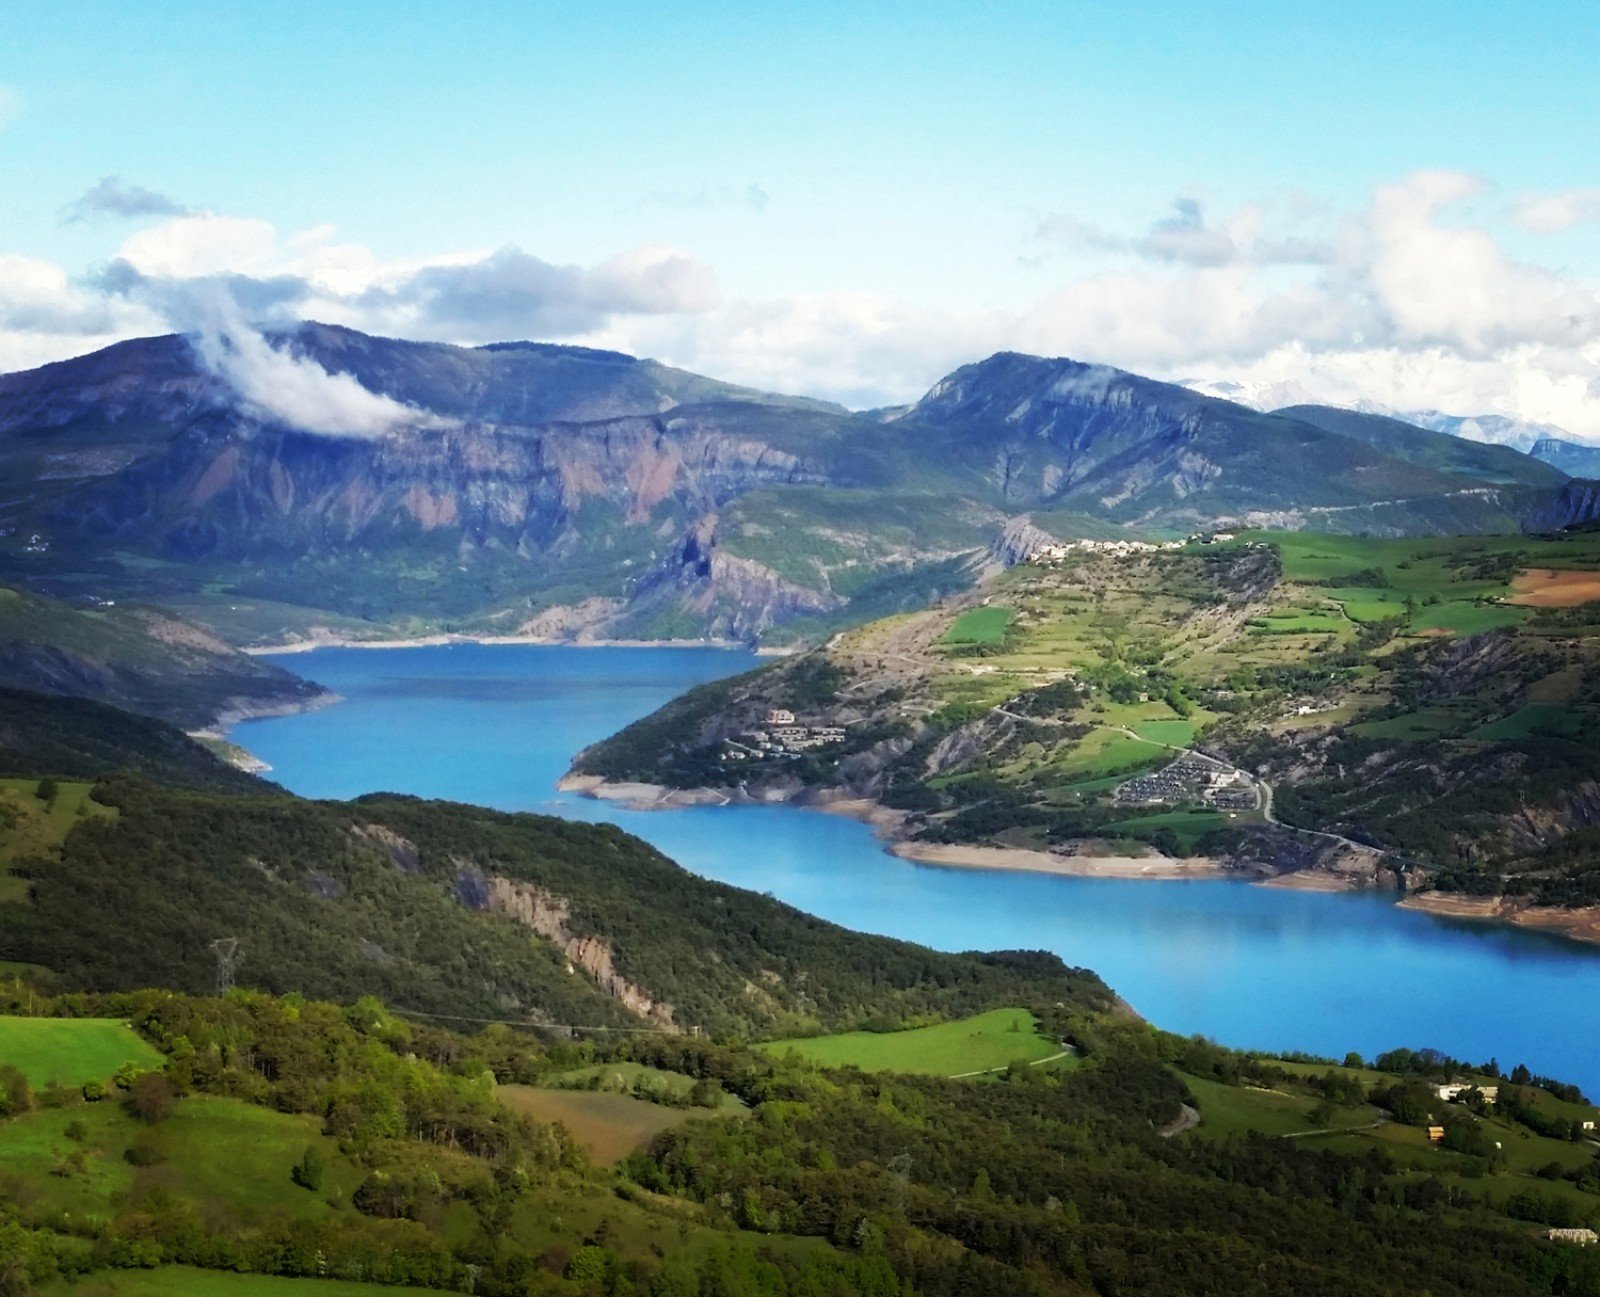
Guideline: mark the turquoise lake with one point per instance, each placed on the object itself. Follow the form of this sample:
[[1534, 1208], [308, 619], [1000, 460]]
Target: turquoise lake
[[1251, 966]]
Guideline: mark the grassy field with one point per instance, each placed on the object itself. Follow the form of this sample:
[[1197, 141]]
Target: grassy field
[[1188, 826], [980, 626], [71, 1051], [609, 1126], [977, 1044], [1228, 1110], [224, 1152], [185, 1281]]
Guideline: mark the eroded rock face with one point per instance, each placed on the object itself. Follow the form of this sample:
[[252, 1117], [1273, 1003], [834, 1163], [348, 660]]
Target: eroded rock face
[[548, 916], [403, 855]]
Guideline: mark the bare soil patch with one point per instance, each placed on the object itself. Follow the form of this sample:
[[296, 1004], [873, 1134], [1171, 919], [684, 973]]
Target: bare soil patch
[[1544, 587]]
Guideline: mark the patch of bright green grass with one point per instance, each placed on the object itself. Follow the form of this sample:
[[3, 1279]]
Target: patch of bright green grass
[[980, 626], [70, 1051], [1459, 617], [977, 1044], [29, 826], [1227, 1110], [1174, 733], [1106, 752], [227, 1151], [1188, 826], [1368, 603]]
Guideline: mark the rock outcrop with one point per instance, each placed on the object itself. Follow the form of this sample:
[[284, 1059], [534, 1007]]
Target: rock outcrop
[[548, 916]]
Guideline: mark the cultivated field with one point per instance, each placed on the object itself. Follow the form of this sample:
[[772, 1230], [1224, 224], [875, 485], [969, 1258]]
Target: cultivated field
[[609, 1126]]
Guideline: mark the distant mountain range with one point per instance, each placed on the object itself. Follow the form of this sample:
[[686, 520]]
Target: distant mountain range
[[570, 493], [1543, 441]]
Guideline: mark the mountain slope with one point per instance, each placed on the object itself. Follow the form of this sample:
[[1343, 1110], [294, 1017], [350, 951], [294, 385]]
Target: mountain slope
[[138, 658], [75, 738], [457, 910], [1115, 444], [1491, 464]]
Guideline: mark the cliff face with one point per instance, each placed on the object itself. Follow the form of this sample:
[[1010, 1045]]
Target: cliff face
[[548, 916]]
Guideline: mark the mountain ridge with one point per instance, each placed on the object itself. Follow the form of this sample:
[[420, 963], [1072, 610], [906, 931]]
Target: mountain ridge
[[581, 493]]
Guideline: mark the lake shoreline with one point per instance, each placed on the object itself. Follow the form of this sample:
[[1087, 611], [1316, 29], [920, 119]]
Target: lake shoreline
[[447, 638], [889, 826], [1576, 924]]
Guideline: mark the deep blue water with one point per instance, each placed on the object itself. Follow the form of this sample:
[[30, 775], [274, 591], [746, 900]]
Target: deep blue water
[[1250, 966]]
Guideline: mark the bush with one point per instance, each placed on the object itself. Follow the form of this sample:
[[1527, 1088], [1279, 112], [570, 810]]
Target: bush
[[150, 1097], [46, 791], [309, 1171], [147, 1150]]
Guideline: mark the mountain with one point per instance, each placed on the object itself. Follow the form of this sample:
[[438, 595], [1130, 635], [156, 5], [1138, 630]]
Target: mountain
[[1436, 699], [564, 492]]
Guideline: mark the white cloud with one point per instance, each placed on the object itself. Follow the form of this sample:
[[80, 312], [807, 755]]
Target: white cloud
[[1558, 212], [1411, 301], [291, 389]]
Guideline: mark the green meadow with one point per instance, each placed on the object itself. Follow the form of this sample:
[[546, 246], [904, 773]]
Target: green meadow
[[70, 1051], [985, 1042]]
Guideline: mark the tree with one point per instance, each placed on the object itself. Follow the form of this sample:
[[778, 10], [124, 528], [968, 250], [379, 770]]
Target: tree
[[150, 1097], [46, 791]]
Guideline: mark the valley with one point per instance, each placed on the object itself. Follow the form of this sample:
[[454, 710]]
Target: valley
[[638, 1020]]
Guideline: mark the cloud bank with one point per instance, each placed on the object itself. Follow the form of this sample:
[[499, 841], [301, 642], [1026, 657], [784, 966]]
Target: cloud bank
[[1411, 300]]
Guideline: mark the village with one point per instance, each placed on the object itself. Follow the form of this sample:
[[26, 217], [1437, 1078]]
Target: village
[[783, 738], [1123, 548]]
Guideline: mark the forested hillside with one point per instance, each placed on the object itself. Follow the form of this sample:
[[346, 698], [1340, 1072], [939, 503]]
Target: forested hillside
[[458, 910]]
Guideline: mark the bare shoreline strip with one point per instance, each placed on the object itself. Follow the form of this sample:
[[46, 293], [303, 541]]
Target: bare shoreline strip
[[1576, 924], [888, 824], [442, 639]]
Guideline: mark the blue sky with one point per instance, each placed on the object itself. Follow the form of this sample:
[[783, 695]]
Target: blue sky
[[856, 195]]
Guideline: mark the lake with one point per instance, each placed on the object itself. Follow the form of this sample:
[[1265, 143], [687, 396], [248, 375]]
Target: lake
[[1251, 966]]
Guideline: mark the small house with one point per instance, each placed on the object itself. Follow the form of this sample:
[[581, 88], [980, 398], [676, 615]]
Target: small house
[[1436, 1133], [780, 716]]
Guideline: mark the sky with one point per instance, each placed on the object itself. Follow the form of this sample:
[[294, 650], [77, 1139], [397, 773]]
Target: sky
[[1342, 200]]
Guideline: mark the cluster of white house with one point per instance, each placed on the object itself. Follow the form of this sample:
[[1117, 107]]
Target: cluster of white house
[[1119, 548], [783, 737]]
